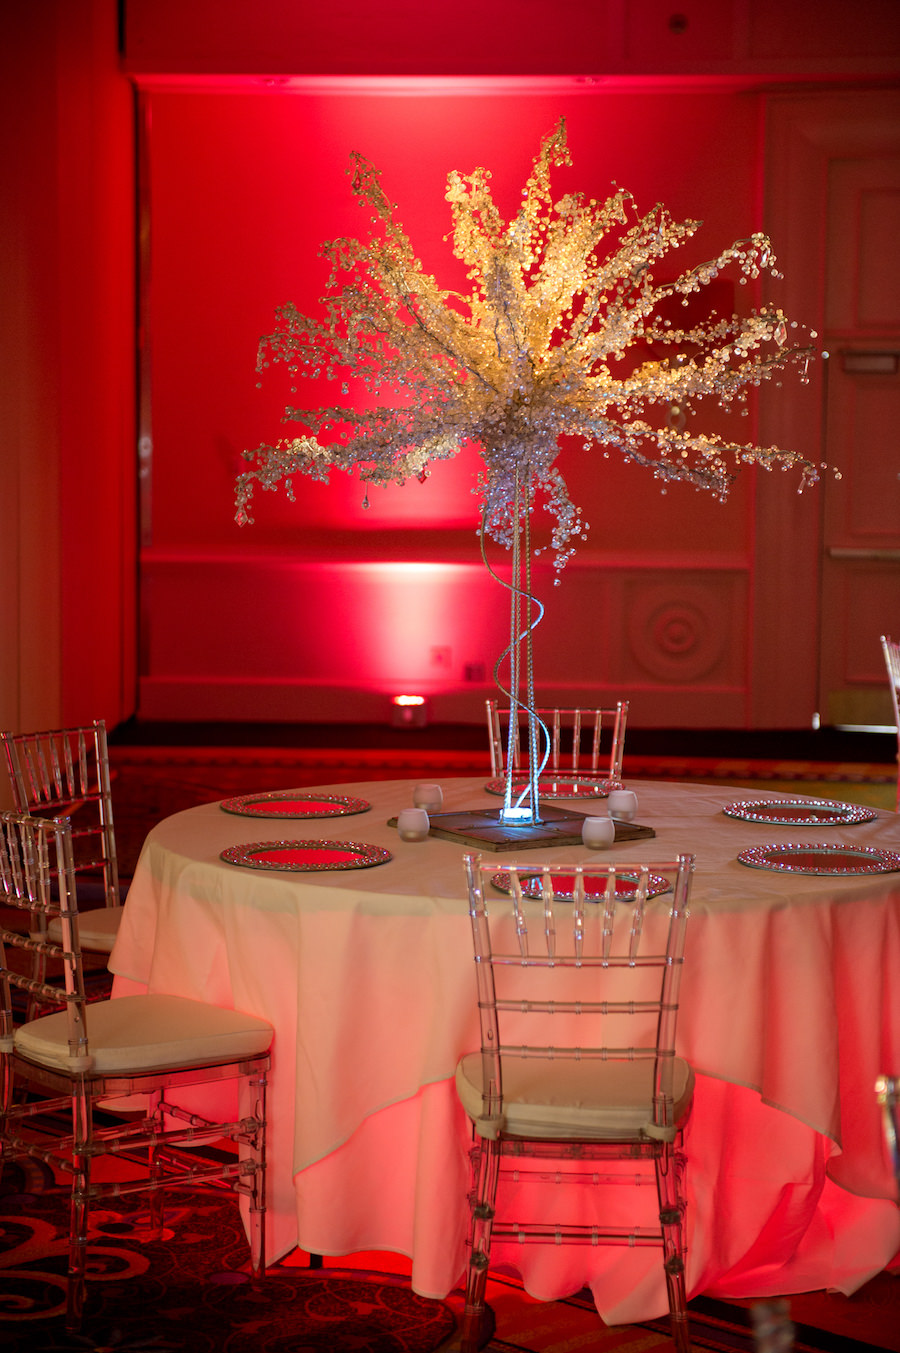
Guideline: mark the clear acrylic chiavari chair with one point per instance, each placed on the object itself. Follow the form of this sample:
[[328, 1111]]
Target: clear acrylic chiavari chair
[[576, 1082], [61, 1072], [586, 743]]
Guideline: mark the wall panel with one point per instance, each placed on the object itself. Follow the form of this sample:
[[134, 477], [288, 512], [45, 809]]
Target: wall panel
[[243, 188]]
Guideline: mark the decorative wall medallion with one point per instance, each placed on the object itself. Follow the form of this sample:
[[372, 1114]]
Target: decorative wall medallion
[[680, 632]]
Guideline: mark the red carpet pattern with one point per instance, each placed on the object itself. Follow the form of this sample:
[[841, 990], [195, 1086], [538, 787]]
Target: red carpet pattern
[[188, 1291]]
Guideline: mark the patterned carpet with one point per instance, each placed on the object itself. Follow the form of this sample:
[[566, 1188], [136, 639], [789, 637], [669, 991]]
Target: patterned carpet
[[189, 1293]]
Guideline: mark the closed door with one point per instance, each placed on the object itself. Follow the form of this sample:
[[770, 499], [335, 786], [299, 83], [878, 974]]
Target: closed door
[[860, 580]]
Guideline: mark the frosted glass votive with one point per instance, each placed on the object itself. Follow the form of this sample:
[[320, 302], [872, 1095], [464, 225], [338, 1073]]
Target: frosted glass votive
[[412, 824], [598, 833], [622, 804], [429, 797]]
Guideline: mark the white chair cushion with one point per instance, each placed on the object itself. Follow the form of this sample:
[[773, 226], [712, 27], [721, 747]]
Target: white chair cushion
[[572, 1099], [97, 929], [148, 1033]]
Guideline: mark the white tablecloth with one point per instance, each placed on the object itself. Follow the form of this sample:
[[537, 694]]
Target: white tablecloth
[[790, 1009]]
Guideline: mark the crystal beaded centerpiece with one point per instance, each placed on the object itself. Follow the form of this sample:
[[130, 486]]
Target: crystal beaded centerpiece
[[564, 331]]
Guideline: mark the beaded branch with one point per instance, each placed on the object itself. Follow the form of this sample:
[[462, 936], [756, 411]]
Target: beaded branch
[[564, 332]]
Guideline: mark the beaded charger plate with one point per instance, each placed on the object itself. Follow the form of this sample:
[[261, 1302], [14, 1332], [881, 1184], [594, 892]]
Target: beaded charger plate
[[304, 857], [799, 812], [559, 786], [821, 859], [594, 888], [294, 803]]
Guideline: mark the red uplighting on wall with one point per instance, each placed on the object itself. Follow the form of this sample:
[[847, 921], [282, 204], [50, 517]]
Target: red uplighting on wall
[[376, 590]]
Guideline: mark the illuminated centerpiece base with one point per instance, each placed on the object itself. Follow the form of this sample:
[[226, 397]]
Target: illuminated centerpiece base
[[517, 817], [485, 828]]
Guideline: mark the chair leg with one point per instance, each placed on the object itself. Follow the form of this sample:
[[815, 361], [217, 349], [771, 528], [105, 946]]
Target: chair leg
[[6, 1100], [82, 1131], [669, 1179], [482, 1201], [156, 1202], [257, 1084], [678, 1318]]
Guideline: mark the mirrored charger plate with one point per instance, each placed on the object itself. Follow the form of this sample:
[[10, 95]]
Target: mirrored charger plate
[[294, 803], [810, 858], [799, 812], [559, 786], [595, 887], [305, 857]]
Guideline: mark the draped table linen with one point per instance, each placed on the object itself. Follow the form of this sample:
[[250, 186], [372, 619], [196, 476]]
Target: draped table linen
[[790, 1008]]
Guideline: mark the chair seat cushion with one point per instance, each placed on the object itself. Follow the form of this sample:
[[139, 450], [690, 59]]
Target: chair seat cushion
[[97, 929], [564, 1098], [133, 1034]]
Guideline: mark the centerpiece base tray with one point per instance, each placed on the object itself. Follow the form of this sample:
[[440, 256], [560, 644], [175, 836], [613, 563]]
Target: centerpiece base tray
[[482, 829]]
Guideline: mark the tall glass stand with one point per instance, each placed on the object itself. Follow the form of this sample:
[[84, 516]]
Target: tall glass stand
[[521, 805]]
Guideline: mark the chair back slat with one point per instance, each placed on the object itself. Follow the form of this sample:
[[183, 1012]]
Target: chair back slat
[[31, 782], [59, 784], [579, 962], [567, 731]]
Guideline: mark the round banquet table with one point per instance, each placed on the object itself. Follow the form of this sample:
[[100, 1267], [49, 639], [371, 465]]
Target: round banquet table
[[790, 1008]]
